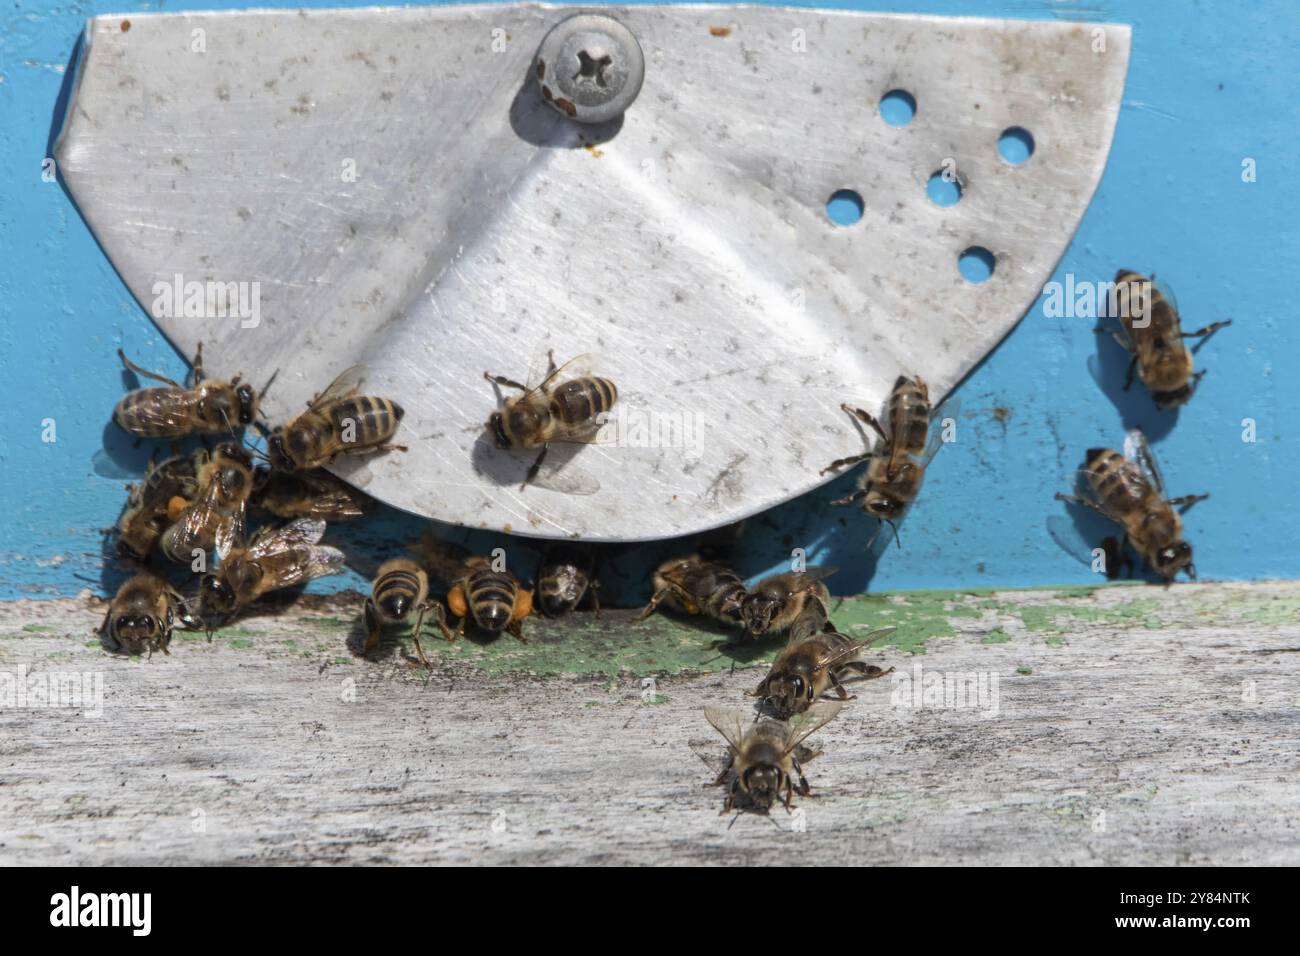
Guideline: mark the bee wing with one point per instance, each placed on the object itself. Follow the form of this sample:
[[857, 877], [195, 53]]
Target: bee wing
[[193, 522], [707, 751], [350, 380], [311, 561], [803, 725], [1167, 292], [1137, 449], [951, 408], [859, 647], [230, 530], [729, 722], [170, 411], [584, 364]]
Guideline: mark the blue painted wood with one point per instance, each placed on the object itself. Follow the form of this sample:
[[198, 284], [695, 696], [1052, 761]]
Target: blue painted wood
[[1210, 86]]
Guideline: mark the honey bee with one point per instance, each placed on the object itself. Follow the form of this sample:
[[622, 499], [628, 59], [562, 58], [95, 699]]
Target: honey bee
[[401, 587], [210, 407], [778, 602], [695, 586], [1131, 492], [897, 462], [275, 558], [571, 411], [811, 664], [1154, 339], [150, 503], [765, 756], [309, 494], [215, 517], [494, 599], [143, 614], [338, 421], [566, 576]]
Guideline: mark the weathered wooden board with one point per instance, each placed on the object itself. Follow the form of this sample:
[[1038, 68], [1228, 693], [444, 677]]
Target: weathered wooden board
[[1134, 725]]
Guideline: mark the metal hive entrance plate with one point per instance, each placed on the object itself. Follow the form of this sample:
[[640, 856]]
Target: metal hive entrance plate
[[387, 187]]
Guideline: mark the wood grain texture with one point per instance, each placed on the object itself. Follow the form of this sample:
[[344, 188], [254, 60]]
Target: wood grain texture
[[1163, 736]]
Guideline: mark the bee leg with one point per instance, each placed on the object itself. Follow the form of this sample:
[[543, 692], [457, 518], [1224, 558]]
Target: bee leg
[[1208, 330], [839, 689], [415, 633], [867, 671], [593, 589], [654, 603], [373, 627], [867, 418], [502, 380], [804, 789], [198, 364], [841, 462], [1185, 502], [132, 367], [536, 467], [856, 496], [516, 630]]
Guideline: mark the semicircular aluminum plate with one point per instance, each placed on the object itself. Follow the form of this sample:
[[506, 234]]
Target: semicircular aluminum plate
[[386, 187]]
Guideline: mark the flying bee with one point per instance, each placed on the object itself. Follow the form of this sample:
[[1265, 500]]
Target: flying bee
[[215, 517], [566, 576], [1151, 332], [897, 462], [494, 599], [568, 411], [338, 421], [1130, 491], [210, 407], [765, 756], [151, 503], [695, 586], [309, 494], [276, 558], [779, 602], [811, 664], [143, 615], [401, 587]]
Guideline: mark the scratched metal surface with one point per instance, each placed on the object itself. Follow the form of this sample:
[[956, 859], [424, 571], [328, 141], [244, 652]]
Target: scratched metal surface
[[689, 249]]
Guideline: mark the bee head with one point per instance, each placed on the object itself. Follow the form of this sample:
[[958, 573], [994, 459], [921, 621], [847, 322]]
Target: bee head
[[791, 691], [1174, 558], [247, 404], [136, 631], [497, 426], [757, 611], [216, 599], [763, 784]]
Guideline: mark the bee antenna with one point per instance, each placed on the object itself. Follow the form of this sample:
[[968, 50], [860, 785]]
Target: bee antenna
[[894, 528], [267, 387], [1191, 571]]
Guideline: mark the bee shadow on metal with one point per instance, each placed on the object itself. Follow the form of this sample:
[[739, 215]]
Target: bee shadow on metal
[[536, 122], [1109, 367], [510, 466]]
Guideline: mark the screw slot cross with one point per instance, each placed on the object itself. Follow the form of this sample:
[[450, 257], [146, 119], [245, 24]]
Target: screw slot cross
[[592, 69]]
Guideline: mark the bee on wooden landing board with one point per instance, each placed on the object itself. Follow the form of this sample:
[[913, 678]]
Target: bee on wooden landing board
[[557, 410], [143, 614], [338, 421], [813, 663], [779, 602], [210, 407], [1130, 491], [1150, 330], [400, 589], [693, 586], [275, 558], [765, 757]]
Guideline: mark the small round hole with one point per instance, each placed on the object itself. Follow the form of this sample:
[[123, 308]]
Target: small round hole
[[943, 190], [976, 264], [897, 107], [1016, 145], [844, 208]]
